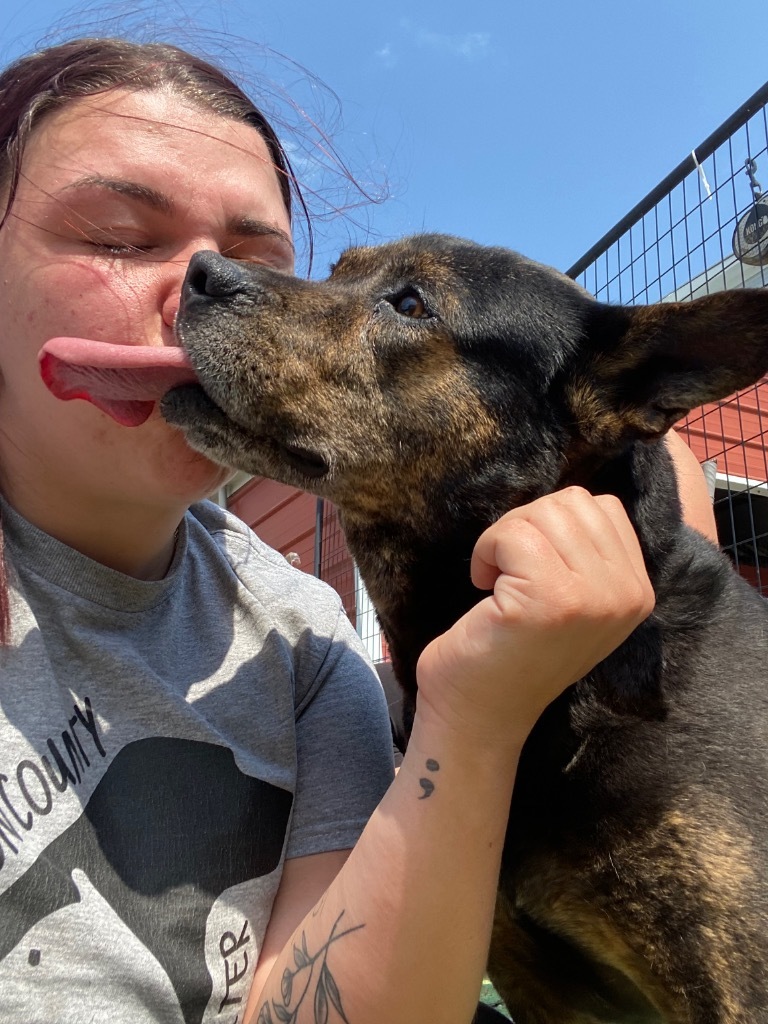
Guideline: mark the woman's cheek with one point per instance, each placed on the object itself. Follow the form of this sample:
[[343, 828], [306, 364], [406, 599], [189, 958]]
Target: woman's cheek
[[101, 302]]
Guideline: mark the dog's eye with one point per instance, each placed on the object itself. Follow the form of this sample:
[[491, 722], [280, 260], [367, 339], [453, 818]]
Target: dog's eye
[[410, 304]]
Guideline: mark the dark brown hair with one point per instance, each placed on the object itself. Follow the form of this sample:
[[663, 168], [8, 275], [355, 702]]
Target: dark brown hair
[[42, 82]]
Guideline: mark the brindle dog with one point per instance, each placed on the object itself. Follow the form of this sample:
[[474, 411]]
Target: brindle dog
[[426, 388]]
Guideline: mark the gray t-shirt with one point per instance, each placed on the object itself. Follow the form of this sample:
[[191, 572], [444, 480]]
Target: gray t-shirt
[[164, 746]]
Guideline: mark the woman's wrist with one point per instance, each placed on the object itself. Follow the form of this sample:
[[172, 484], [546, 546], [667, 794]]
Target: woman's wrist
[[476, 750]]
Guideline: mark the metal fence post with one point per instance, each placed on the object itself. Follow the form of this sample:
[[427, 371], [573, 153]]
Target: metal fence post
[[319, 509]]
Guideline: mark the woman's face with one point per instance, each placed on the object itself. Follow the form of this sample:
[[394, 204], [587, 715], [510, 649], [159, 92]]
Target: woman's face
[[117, 192]]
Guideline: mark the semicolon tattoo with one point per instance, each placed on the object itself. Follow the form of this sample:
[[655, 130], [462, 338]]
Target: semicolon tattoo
[[428, 785], [310, 978]]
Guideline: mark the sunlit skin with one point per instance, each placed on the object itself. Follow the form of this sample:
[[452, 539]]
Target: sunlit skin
[[118, 191]]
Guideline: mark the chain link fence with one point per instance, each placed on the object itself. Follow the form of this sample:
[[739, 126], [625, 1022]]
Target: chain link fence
[[702, 230]]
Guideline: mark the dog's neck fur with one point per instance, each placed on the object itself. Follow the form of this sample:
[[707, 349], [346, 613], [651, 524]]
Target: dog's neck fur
[[419, 580]]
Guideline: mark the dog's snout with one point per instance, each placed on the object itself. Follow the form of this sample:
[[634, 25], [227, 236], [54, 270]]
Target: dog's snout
[[212, 276]]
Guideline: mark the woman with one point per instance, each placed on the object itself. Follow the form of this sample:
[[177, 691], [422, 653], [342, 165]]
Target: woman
[[191, 740]]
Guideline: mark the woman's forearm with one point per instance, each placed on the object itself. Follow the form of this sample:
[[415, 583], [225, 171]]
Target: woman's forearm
[[402, 934], [695, 499]]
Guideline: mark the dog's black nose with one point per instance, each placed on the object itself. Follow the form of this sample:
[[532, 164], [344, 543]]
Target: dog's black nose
[[212, 276]]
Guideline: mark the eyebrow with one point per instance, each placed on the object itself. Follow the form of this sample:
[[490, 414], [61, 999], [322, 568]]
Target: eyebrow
[[244, 227], [250, 227], [145, 194]]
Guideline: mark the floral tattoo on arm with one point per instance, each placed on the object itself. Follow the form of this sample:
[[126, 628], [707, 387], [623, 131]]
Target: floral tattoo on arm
[[309, 979]]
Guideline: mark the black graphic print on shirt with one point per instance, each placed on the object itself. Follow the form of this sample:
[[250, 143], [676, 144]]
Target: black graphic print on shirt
[[171, 825]]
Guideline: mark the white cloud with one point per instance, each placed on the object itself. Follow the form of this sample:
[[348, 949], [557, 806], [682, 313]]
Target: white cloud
[[385, 55], [470, 45]]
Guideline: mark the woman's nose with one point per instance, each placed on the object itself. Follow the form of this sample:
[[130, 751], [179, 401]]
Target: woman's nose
[[171, 308]]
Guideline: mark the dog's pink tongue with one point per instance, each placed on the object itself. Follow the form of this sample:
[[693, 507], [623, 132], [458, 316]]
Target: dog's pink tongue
[[123, 381]]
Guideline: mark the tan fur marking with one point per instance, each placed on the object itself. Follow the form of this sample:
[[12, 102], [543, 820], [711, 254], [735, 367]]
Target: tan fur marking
[[439, 408], [719, 860], [706, 861], [555, 899]]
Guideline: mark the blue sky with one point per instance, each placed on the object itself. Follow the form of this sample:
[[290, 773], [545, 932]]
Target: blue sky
[[532, 125]]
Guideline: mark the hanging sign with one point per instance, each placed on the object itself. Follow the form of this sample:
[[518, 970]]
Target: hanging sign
[[750, 239]]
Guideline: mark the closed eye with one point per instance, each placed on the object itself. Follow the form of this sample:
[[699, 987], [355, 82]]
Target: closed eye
[[111, 240], [119, 248], [267, 250]]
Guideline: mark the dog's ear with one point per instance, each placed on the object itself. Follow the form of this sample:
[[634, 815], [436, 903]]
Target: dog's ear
[[641, 369]]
